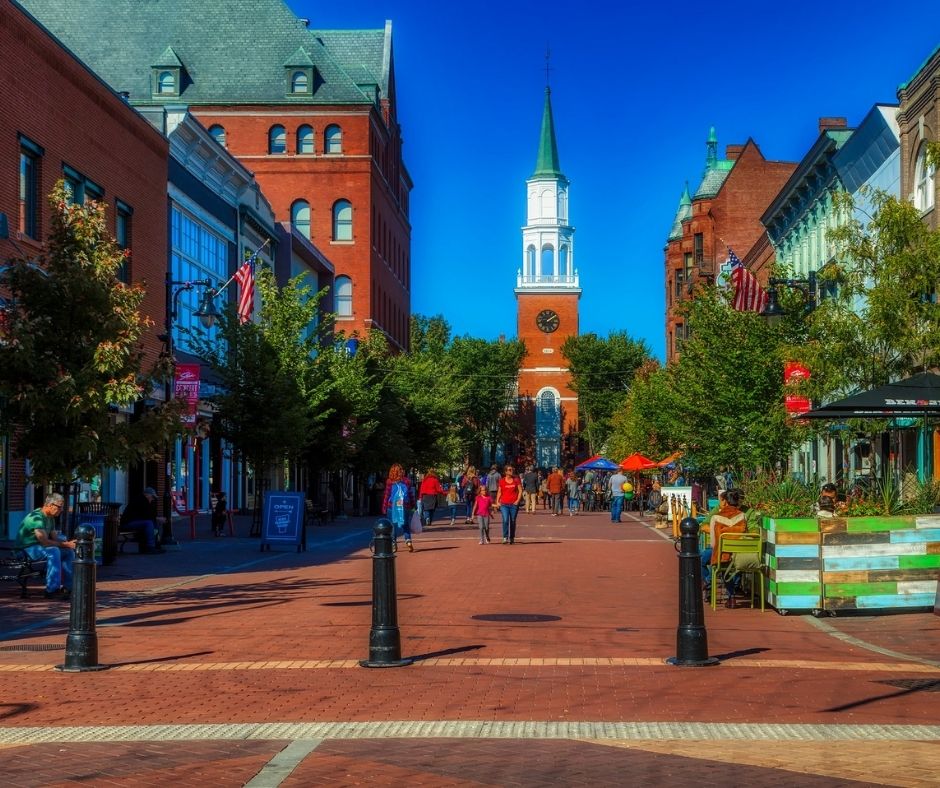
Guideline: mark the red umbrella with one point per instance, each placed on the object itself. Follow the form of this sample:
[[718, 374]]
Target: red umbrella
[[637, 462]]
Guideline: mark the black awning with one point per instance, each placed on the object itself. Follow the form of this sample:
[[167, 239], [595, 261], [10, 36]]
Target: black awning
[[918, 395]]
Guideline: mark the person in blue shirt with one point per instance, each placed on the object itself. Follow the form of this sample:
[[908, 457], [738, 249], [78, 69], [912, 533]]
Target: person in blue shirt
[[38, 537]]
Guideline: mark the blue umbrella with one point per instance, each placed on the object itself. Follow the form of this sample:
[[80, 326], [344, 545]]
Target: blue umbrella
[[597, 463]]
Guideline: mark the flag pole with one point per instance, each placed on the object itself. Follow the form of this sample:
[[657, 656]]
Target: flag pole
[[253, 256]]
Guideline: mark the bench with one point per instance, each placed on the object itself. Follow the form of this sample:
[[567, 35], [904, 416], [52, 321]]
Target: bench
[[16, 565]]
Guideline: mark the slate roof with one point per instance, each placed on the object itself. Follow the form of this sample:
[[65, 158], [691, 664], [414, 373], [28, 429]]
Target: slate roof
[[233, 51], [713, 179], [682, 213]]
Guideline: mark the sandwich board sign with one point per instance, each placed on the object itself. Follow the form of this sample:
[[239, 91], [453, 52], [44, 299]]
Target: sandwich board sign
[[283, 520]]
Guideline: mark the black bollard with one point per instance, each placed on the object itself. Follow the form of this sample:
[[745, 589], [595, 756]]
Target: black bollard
[[384, 637], [81, 645], [691, 638]]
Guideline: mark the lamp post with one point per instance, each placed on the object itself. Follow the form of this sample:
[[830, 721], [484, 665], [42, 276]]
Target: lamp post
[[207, 314], [773, 311]]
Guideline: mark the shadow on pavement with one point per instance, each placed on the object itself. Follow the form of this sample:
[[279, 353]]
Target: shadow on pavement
[[910, 686], [171, 658], [447, 652], [746, 652]]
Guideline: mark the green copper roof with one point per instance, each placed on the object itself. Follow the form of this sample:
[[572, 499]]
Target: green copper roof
[[920, 68], [547, 162], [712, 135], [168, 58], [684, 212], [299, 58], [713, 179], [234, 51]]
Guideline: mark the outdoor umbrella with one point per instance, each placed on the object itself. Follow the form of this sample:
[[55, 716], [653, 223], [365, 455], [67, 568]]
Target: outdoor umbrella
[[918, 395], [670, 460], [597, 463], [637, 462]]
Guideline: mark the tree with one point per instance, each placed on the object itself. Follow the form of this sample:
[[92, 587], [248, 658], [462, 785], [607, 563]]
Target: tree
[[71, 353], [601, 373]]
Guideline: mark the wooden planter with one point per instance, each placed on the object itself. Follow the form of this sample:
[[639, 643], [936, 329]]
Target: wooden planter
[[852, 563]]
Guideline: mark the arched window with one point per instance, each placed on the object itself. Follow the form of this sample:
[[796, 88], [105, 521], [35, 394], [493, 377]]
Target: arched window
[[305, 139], [530, 269], [218, 134], [923, 181], [342, 220], [332, 139], [300, 217], [563, 260], [548, 260], [547, 429], [299, 83], [344, 296], [548, 204], [277, 140], [166, 82]]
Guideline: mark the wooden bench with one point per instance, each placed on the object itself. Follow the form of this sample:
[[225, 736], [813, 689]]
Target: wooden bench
[[16, 565]]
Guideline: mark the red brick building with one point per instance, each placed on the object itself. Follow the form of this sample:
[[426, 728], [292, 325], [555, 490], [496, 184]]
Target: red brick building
[[60, 121], [724, 212], [312, 113]]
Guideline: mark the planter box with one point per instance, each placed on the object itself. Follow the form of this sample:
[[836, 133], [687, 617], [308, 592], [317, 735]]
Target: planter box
[[852, 563]]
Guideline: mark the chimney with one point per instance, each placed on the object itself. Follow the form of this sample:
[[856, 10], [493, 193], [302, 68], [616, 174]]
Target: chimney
[[827, 124], [733, 151], [125, 94], [304, 21]]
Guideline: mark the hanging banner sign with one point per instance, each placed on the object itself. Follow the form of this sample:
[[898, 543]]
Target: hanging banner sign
[[186, 388], [795, 373]]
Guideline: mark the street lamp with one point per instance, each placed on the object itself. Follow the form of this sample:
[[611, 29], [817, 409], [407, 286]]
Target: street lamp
[[773, 311], [207, 313]]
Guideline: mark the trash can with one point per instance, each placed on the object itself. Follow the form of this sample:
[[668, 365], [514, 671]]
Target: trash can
[[105, 518]]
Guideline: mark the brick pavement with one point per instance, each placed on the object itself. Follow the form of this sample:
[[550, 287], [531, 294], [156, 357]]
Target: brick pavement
[[219, 633]]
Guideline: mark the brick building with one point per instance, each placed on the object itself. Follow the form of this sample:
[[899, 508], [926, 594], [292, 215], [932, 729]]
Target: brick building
[[919, 122], [60, 121], [312, 113], [547, 296], [724, 212]]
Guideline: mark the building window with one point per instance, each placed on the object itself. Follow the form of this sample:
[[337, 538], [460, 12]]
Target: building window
[[305, 139], [300, 217], [698, 244], [166, 83], [548, 260], [299, 82], [197, 253], [30, 158], [122, 234], [277, 140], [679, 281], [547, 429], [344, 292], [217, 133], [923, 181], [74, 187], [342, 221], [530, 269], [563, 260], [333, 139]]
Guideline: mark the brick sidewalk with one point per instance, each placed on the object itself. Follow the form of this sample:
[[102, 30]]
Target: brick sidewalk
[[569, 625]]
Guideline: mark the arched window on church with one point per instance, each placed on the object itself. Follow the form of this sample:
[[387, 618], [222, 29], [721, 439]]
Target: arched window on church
[[547, 429], [548, 204], [563, 261], [530, 269], [548, 260]]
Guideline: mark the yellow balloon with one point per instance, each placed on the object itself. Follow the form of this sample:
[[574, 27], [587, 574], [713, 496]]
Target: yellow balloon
[[627, 487]]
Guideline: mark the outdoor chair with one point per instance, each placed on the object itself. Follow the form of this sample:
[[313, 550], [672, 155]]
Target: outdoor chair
[[738, 544]]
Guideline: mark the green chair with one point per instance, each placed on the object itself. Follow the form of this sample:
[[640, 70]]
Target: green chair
[[739, 544]]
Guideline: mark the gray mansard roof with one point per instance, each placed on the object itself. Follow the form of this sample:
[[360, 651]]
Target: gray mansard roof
[[230, 51]]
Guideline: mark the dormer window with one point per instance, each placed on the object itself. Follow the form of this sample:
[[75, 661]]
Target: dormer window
[[167, 75], [299, 72], [166, 83]]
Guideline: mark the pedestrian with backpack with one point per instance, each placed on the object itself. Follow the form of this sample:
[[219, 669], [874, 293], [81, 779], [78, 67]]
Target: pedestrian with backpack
[[399, 503]]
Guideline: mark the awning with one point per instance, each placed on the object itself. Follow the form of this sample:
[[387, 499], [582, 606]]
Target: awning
[[597, 463], [918, 395]]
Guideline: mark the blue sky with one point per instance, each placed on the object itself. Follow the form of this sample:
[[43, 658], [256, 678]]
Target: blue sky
[[634, 91]]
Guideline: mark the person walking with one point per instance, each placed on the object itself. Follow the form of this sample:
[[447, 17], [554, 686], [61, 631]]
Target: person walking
[[556, 488], [470, 485], [574, 494], [508, 494], [399, 502], [615, 486], [530, 488], [427, 493], [453, 498], [219, 513], [483, 503], [492, 481]]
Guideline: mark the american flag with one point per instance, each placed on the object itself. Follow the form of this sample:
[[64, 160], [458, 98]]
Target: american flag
[[749, 296], [245, 276]]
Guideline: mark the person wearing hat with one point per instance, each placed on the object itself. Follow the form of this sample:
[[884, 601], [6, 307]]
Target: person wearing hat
[[140, 515]]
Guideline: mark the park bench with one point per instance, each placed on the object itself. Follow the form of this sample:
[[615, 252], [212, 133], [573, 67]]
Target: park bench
[[17, 566]]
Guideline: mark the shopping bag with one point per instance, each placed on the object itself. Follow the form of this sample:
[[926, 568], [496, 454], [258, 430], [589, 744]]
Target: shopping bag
[[416, 525]]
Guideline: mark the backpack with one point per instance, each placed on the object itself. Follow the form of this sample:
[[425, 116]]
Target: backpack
[[397, 499]]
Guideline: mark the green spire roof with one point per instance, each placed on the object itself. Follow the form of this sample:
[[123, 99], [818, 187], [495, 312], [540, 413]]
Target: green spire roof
[[682, 213], [547, 161]]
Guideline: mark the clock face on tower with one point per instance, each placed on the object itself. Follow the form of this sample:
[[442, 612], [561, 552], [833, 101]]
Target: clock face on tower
[[547, 320]]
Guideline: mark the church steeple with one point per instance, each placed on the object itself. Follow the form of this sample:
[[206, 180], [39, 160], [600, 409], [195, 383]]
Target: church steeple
[[711, 150], [546, 165]]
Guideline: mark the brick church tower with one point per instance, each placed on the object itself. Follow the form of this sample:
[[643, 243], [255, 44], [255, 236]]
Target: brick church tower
[[547, 295]]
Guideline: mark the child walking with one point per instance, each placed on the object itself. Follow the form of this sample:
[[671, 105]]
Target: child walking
[[482, 504], [453, 498]]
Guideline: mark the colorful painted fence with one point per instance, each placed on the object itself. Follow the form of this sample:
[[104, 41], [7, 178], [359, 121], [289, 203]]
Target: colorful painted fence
[[854, 563]]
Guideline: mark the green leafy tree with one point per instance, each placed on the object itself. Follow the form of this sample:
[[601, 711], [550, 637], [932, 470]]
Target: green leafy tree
[[602, 370], [70, 353]]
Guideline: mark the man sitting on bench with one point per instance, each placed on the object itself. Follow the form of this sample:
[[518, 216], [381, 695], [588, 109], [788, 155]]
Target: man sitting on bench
[[140, 515], [40, 540]]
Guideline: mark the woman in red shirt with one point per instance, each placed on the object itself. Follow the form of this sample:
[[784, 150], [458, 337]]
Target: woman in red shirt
[[427, 494], [508, 494]]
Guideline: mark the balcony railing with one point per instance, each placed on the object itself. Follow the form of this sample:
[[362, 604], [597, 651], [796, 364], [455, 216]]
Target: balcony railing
[[547, 280]]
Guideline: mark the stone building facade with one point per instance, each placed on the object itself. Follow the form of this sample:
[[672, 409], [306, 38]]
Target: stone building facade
[[919, 123]]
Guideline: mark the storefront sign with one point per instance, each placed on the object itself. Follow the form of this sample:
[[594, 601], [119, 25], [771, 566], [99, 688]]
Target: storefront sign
[[187, 390]]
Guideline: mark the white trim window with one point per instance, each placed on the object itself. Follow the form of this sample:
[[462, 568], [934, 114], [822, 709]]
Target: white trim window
[[300, 217], [924, 187], [342, 220], [344, 295]]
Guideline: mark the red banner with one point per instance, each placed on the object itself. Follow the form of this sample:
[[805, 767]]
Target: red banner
[[187, 389], [795, 373]]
